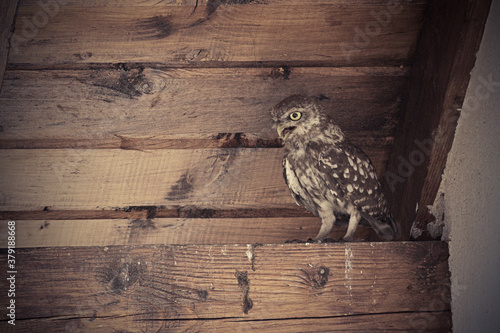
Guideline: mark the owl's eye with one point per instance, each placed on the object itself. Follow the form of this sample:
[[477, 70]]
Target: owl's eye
[[295, 116]]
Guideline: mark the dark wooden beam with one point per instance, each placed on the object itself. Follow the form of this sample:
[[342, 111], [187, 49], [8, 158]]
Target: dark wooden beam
[[444, 57], [397, 286]]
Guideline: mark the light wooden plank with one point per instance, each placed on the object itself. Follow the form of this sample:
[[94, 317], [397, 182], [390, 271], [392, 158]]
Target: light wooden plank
[[52, 233], [7, 12], [444, 59], [262, 31], [186, 108], [148, 288], [114, 178]]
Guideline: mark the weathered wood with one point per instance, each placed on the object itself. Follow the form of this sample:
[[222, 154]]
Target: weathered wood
[[429, 322], [7, 12], [148, 212], [445, 55], [189, 108], [50, 233], [219, 31], [95, 179], [148, 288]]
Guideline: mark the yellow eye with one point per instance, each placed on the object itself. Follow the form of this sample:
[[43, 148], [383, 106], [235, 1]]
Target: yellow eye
[[295, 116]]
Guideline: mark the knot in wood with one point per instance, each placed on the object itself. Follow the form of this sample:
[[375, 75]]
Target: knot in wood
[[316, 277], [121, 275]]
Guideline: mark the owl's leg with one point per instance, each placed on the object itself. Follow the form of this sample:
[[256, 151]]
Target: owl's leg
[[327, 221], [353, 224]]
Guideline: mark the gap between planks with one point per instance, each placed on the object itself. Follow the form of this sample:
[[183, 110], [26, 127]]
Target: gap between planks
[[219, 140]]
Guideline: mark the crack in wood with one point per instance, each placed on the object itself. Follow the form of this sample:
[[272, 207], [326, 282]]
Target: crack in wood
[[352, 315], [233, 318]]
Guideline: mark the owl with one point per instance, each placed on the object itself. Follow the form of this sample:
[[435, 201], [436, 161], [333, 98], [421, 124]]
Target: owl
[[326, 173]]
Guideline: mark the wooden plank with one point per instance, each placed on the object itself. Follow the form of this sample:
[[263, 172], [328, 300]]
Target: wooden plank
[[433, 322], [7, 12], [150, 288], [98, 179], [173, 231], [445, 56], [219, 32], [135, 108]]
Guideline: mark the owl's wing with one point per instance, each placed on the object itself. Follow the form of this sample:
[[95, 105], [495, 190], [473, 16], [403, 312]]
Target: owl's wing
[[350, 173], [348, 169], [290, 180]]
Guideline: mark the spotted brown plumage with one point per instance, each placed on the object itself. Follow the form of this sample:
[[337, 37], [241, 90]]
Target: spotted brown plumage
[[326, 173]]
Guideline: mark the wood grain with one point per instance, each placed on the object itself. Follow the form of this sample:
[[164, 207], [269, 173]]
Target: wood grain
[[96, 179], [440, 74], [433, 322], [172, 231], [151, 288], [7, 12], [218, 32], [147, 108]]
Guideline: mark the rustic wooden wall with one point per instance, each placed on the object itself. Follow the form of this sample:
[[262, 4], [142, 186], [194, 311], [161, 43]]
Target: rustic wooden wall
[[128, 128], [117, 107]]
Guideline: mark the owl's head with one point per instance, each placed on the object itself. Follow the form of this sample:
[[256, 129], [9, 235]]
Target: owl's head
[[296, 116]]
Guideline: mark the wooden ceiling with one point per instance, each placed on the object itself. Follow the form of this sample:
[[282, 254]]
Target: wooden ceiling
[[118, 104], [128, 128]]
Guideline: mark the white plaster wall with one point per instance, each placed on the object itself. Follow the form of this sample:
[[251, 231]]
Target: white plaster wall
[[471, 187]]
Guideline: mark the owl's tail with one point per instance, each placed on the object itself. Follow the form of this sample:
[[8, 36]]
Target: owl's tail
[[387, 230]]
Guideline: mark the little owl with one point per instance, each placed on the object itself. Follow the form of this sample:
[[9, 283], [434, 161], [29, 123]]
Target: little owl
[[326, 173]]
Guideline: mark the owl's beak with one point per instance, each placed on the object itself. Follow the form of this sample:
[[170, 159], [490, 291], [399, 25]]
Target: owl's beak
[[284, 131], [280, 129]]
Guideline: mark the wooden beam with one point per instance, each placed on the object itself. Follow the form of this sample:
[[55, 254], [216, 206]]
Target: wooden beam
[[217, 32], [97, 179], [168, 231], [7, 12], [148, 108], [444, 57], [391, 286]]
